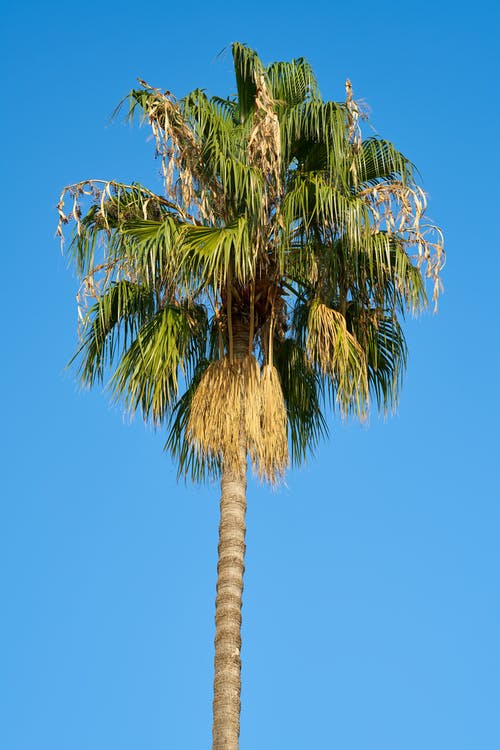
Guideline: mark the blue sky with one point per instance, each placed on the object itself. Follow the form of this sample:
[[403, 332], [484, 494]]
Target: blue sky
[[372, 609]]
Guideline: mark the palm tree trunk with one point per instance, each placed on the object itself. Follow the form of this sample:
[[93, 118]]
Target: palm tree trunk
[[230, 569]]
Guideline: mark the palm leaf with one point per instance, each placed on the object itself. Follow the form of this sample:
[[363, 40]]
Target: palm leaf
[[168, 345], [110, 325], [302, 392], [247, 67], [292, 83]]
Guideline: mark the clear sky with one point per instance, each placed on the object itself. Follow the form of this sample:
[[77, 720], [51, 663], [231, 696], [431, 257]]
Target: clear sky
[[372, 603]]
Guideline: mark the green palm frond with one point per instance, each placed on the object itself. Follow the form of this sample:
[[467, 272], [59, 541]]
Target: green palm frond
[[376, 271], [378, 159], [247, 69], [321, 206], [212, 253], [166, 347], [229, 107], [292, 83], [315, 129], [385, 348], [110, 325], [303, 394], [152, 252]]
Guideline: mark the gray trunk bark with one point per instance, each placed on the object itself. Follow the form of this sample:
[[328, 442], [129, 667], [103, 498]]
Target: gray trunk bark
[[230, 569]]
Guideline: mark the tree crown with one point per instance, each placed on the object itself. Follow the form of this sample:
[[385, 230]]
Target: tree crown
[[266, 283]]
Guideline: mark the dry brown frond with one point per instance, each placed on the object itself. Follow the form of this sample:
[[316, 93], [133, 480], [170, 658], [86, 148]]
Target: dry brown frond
[[270, 454], [234, 408], [103, 193], [339, 355], [352, 115], [226, 408], [354, 131], [179, 151], [214, 424], [264, 145], [398, 208], [252, 398], [175, 144]]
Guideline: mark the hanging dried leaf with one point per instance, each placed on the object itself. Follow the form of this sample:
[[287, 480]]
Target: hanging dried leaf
[[235, 406], [264, 145], [270, 454], [399, 209], [225, 411], [337, 353]]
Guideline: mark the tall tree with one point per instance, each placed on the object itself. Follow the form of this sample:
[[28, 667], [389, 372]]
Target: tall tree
[[265, 287]]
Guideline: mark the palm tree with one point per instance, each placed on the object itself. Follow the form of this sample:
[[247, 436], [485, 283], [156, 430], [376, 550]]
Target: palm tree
[[265, 287]]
